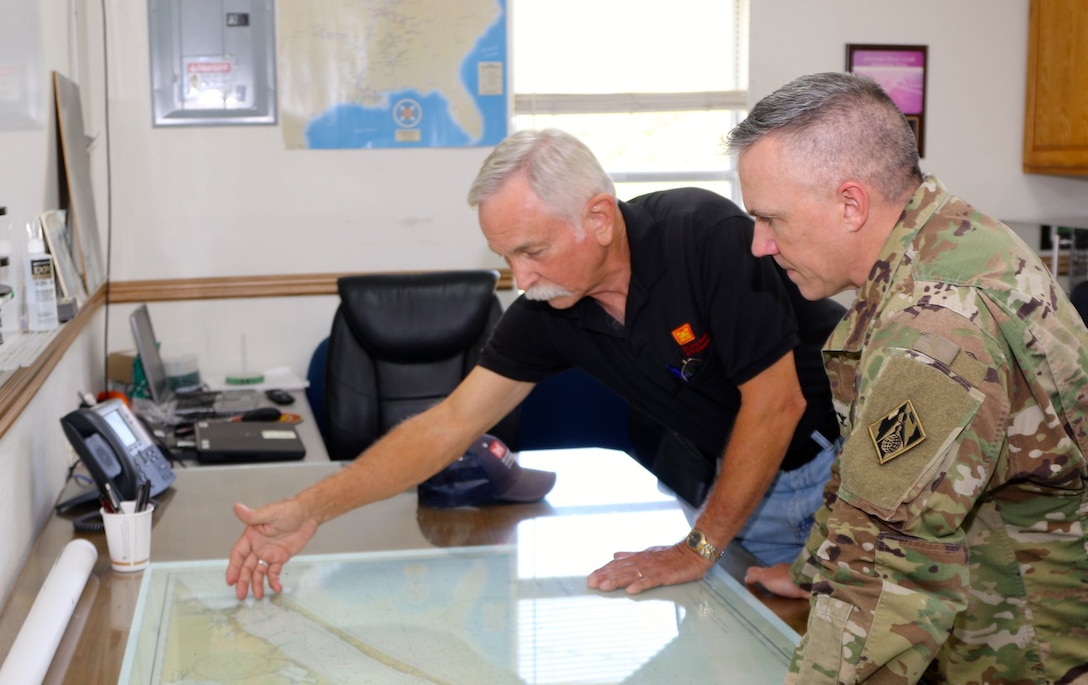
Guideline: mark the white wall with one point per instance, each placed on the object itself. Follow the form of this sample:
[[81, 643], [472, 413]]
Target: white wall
[[28, 157], [34, 455], [976, 86]]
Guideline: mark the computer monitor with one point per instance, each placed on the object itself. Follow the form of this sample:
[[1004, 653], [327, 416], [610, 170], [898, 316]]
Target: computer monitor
[[148, 348]]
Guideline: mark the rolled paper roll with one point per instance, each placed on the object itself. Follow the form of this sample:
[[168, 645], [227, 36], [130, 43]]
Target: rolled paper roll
[[37, 641]]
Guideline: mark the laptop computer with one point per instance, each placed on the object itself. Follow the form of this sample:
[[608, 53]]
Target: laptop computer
[[196, 403], [239, 442]]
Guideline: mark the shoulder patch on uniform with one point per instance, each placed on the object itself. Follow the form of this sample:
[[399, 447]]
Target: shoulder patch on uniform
[[897, 433], [907, 390]]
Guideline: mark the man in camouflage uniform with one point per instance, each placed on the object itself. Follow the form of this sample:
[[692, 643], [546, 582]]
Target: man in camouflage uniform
[[952, 544]]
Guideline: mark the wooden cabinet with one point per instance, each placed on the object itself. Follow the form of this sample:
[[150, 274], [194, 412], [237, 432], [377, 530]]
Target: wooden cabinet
[[1056, 120]]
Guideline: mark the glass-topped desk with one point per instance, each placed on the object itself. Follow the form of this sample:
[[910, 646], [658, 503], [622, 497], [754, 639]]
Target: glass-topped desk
[[413, 595]]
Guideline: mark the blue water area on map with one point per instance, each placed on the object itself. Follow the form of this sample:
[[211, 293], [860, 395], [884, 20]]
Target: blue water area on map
[[490, 48], [356, 126]]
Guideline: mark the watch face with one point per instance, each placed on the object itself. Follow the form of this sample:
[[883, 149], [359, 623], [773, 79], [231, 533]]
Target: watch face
[[695, 539]]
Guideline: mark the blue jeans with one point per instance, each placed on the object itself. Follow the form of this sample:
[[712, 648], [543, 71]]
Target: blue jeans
[[777, 529]]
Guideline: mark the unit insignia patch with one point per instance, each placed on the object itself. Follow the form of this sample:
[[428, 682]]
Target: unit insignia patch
[[897, 432]]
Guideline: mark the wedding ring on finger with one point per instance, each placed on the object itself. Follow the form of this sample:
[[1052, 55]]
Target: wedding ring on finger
[[262, 562]]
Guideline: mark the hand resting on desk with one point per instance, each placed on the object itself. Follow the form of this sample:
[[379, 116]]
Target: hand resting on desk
[[775, 579], [638, 571], [273, 535]]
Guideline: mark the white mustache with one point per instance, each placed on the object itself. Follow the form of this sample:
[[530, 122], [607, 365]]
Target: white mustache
[[546, 291]]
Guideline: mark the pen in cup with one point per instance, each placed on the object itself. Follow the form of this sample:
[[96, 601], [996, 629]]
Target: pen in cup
[[143, 494], [115, 501]]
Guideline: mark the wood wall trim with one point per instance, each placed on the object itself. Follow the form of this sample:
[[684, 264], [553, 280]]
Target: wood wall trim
[[227, 287], [284, 285], [20, 388]]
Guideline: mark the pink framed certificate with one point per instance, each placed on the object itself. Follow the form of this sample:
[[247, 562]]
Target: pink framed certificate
[[901, 71]]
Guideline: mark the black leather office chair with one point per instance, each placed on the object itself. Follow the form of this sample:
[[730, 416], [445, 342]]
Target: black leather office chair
[[400, 343]]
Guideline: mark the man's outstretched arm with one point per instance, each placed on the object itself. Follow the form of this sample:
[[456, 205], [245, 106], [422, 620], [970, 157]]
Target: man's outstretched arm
[[409, 454]]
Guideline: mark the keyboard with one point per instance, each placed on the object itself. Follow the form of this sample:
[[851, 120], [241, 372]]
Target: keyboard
[[198, 399]]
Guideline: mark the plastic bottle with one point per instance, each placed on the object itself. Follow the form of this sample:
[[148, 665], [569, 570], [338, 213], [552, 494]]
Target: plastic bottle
[[40, 285], [9, 309]]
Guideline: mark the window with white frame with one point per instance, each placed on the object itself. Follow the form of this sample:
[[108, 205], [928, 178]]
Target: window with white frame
[[651, 86]]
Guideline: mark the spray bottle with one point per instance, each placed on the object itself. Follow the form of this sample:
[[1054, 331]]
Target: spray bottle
[[40, 286], [9, 315]]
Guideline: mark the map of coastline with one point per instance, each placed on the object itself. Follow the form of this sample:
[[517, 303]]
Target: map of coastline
[[392, 73], [437, 617]]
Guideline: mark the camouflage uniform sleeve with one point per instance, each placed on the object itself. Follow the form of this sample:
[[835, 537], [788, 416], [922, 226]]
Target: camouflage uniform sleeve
[[892, 554], [803, 571]]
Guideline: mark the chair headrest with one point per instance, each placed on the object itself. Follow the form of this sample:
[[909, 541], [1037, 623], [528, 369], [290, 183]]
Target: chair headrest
[[415, 317]]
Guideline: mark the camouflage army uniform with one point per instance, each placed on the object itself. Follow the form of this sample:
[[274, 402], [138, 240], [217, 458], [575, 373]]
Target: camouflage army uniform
[[954, 526]]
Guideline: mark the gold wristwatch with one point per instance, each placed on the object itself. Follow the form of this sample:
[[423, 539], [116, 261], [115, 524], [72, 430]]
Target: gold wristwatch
[[697, 543]]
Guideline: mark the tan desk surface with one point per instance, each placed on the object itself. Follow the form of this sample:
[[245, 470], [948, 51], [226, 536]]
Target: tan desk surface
[[608, 501]]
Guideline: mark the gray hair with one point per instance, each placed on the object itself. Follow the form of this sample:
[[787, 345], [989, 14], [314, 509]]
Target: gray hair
[[561, 170], [840, 126]]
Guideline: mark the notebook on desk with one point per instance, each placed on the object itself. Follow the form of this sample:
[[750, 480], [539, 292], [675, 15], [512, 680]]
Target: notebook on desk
[[197, 403], [240, 442]]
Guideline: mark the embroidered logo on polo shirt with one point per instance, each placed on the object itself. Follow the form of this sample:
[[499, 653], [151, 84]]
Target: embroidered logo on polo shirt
[[683, 335], [896, 433]]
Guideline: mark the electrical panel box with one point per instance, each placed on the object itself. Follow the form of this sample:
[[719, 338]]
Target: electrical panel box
[[212, 62]]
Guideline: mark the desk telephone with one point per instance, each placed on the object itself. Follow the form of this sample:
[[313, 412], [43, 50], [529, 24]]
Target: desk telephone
[[116, 449]]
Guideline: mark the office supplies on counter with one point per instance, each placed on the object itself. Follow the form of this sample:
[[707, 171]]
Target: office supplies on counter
[[245, 376], [128, 536], [262, 414], [119, 453], [237, 442], [279, 377], [39, 282], [279, 396], [180, 404]]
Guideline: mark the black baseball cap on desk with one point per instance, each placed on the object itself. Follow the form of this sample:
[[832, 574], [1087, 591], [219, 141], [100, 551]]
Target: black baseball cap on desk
[[488, 472]]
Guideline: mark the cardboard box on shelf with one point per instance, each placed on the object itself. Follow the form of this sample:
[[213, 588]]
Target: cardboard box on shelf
[[119, 366]]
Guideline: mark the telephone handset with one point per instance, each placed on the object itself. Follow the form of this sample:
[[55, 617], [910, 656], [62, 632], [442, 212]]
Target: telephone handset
[[116, 449]]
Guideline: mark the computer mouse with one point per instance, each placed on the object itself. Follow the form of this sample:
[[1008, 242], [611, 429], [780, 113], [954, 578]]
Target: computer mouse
[[279, 396], [262, 414]]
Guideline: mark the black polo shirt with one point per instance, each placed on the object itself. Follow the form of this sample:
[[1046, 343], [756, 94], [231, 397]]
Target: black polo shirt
[[703, 317]]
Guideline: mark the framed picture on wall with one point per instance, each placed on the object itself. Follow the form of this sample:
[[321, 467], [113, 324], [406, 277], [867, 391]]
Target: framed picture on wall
[[901, 71]]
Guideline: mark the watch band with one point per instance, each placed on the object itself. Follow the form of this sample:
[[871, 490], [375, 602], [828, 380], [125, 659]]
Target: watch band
[[697, 543]]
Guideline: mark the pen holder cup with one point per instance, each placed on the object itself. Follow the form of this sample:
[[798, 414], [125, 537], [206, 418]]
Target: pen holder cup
[[128, 537]]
